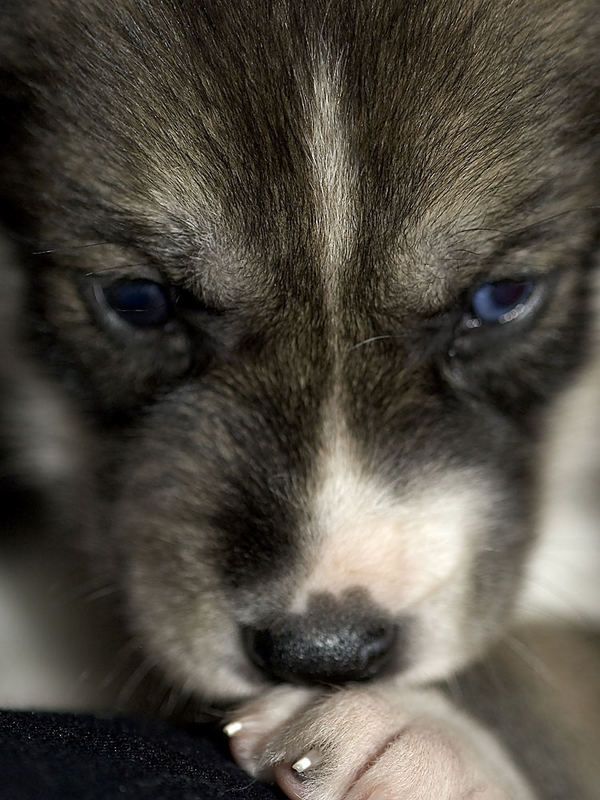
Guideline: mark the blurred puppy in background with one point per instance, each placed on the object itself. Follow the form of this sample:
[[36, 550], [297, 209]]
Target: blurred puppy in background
[[315, 279]]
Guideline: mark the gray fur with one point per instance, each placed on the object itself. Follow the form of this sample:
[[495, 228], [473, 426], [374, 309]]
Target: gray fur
[[328, 181]]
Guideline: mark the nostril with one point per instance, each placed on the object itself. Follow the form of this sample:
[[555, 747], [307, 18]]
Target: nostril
[[298, 650]]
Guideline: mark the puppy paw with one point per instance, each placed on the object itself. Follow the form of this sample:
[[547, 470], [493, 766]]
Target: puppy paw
[[371, 744]]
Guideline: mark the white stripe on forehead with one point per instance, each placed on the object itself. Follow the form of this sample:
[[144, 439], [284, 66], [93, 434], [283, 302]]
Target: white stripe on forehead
[[333, 173]]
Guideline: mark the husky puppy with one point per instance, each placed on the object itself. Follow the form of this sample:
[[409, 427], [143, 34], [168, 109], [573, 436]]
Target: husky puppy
[[314, 273]]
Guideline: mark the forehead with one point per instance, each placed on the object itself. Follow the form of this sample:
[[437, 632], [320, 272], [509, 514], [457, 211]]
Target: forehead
[[280, 145]]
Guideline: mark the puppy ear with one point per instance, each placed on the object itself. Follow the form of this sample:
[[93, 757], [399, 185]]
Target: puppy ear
[[39, 441]]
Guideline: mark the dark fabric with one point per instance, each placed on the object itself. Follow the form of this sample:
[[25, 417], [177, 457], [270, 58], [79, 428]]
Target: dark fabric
[[63, 756]]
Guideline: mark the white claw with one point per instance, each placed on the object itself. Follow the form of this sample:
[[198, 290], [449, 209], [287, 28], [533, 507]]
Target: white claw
[[232, 728], [308, 761]]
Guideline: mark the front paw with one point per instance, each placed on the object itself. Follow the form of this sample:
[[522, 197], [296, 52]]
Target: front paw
[[372, 743]]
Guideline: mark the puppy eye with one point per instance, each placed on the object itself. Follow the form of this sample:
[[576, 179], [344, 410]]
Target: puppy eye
[[500, 302], [143, 303]]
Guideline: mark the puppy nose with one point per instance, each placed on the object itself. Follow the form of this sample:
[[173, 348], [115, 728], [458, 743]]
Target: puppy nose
[[300, 649]]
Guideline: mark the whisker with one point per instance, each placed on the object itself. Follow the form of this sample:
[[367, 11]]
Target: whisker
[[532, 661], [135, 680], [530, 226], [93, 589], [123, 655], [70, 249], [208, 713], [528, 613], [101, 271], [99, 594], [531, 262], [374, 339], [175, 696], [170, 701]]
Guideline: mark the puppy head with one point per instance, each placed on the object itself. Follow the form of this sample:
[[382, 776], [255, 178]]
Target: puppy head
[[316, 271]]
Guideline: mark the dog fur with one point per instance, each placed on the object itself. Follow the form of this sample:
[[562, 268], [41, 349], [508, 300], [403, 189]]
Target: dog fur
[[321, 440]]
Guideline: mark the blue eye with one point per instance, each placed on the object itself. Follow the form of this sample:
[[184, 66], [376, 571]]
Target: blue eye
[[502, 301], [141, 303]]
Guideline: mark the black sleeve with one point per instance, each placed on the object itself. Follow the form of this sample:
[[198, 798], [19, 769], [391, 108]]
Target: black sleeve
[[46, 756]]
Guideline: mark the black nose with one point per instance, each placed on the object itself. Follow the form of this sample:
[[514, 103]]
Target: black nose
[[308, 648]]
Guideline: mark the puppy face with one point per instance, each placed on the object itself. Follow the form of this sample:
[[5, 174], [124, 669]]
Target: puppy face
[[316, 270]]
